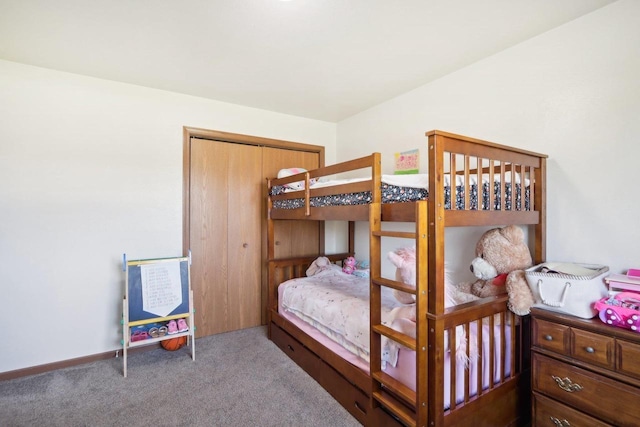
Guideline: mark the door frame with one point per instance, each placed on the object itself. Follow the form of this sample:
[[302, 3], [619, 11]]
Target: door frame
[[236, 138]]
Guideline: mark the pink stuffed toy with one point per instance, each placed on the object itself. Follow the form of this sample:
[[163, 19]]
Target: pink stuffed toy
[[404, 259], [404, 316], [349, 265]]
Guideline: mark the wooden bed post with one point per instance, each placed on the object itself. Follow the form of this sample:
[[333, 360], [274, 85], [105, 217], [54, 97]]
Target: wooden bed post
[[423, 376], [435, 215], [375, 342], [435, 299], [270, 268], [352, 237], [540, 204]]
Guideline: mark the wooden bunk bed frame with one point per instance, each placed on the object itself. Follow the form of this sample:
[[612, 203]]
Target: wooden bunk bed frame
[[375, 398]]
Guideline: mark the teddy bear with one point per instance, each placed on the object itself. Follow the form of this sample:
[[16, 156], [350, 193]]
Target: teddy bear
[[502, 255]]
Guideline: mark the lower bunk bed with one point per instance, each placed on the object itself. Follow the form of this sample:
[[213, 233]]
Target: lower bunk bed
[[331, 344]]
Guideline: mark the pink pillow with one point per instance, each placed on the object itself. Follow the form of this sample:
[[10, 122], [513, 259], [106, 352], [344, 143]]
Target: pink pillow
[[298, 185]]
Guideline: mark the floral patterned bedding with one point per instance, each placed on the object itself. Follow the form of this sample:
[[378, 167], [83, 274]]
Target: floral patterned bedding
[[342, 312], [337, 305], [394, 193]]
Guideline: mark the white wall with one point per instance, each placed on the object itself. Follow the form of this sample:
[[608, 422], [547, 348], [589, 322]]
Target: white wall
[[571, 93], [89, 170]]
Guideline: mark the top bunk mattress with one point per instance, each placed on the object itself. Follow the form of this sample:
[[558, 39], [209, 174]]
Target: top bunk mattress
[[411, 188]]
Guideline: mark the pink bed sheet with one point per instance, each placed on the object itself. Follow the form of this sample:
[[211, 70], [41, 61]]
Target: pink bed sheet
[[405, 370]]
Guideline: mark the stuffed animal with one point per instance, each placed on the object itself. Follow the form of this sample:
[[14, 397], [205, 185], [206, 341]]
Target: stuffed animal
[[404, 316], [318, 265], [502, 255], [362, 269], [349, 265], [404, 259], [362, 265]]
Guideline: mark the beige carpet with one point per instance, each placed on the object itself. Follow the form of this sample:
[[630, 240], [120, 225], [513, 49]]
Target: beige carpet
[[238, 379]]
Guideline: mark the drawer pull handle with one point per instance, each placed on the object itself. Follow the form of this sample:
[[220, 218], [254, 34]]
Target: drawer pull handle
[[290, 348], [589, 350], [560, 423], [548, 337], [566, 384], [359, 408]]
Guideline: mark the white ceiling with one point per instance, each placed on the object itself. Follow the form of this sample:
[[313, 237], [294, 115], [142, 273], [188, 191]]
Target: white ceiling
[[321, 59]]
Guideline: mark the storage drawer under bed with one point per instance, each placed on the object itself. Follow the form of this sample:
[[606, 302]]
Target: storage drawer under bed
[[306, 359], [348, 395]]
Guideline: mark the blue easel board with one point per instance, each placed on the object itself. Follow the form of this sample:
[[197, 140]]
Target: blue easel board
[[136, 312]]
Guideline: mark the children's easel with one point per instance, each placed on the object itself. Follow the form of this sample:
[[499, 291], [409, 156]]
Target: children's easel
[[157, 291]]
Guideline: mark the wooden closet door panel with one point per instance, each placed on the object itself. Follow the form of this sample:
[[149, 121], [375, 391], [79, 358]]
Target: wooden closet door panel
[[208, 218], [293, 238], [244, 236]]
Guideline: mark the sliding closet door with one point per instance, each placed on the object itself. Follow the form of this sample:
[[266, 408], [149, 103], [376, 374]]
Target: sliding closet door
[[224, 235], [225, 223], [244, 235]]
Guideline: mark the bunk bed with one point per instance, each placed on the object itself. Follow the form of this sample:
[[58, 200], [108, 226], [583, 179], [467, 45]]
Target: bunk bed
[[495, 185]]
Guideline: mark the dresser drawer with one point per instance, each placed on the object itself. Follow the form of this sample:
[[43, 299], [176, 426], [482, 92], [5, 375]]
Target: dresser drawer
[[599, 396], [628, 358], [550, 336], [593, 348], [547, 412]]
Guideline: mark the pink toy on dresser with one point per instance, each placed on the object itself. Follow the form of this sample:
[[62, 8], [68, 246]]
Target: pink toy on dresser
[[622, 307]]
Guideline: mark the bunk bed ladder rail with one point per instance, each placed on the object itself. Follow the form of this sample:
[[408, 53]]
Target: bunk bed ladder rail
[[407, 405]]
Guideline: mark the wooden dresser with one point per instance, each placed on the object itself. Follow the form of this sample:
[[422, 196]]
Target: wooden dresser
[[584, 373]]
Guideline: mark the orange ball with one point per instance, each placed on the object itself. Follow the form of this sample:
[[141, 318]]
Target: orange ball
[[174, 344]]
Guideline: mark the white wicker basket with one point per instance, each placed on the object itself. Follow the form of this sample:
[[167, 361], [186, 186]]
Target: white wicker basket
[[568, 288]]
